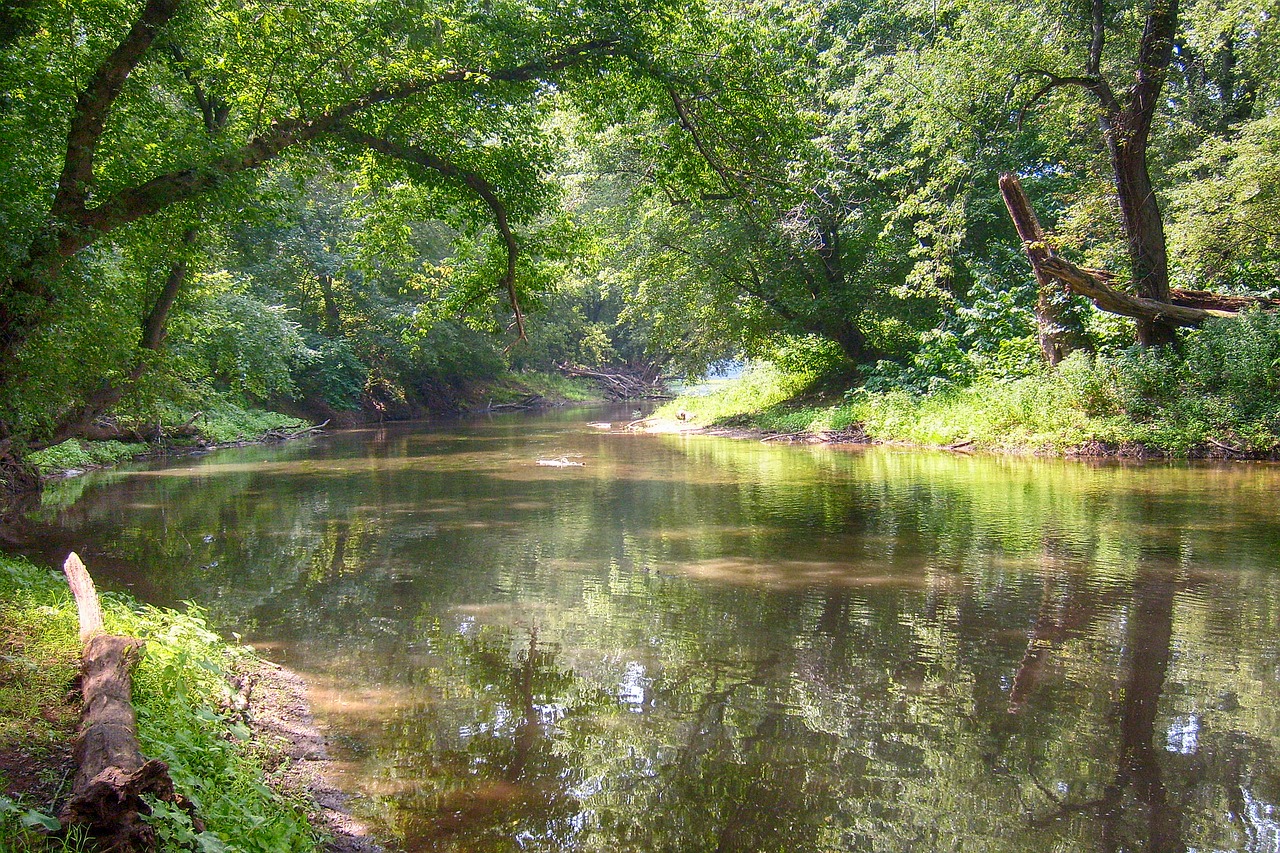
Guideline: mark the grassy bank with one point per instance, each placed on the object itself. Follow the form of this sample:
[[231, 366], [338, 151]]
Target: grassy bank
[[225, 422], [186, 717], [221, 422], [1195, 403], [555, 388]]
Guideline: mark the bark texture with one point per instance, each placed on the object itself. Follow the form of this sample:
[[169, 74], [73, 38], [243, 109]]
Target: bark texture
[[1181, 308], [112, 775]]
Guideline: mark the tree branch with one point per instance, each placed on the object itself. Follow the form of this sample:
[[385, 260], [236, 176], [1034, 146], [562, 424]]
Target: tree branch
[[1093, 84], [1154, 54], [163, 190], [95, 101], [472, 181], [1098, 35]]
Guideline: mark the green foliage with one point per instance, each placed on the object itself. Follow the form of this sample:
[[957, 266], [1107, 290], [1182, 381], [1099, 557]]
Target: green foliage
[[1223, 387], [552, 386], [76, 454], [243, 344], [25, 830], [761, 385], [707, 182], [225, 421], [180, 689]]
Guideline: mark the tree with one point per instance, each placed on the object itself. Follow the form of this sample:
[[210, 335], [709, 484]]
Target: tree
[[1125, 118], [112, 147]]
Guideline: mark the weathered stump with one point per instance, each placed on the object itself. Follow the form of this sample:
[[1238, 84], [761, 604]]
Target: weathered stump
[[112, 775]]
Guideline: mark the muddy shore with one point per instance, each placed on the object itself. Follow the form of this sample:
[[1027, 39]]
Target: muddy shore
[[295, 753]]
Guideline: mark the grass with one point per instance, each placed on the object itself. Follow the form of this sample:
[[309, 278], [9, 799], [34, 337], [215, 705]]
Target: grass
[[553, 386], [1160, 401], [763, 397], [181, 695], [223, 421]]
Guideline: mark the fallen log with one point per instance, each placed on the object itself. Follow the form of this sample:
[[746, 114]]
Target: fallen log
[[1185, 308], [112, 775], [285, 435]]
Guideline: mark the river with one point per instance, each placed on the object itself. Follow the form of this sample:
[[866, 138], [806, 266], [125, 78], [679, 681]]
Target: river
[[687, 643]]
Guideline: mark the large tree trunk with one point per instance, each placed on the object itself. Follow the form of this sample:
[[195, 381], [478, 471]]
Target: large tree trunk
[[17, 475], [1127, 130], [1143, 228]]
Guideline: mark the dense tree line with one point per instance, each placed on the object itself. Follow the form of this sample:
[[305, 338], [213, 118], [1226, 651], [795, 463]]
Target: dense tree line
[[358, 206]]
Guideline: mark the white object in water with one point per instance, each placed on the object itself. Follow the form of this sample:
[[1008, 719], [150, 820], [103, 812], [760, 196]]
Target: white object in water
[[562, 462]]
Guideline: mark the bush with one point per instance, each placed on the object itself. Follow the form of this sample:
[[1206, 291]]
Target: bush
[[76, 454]]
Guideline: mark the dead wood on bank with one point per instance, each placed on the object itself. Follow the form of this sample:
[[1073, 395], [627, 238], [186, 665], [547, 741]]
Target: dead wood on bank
[[622, 383], [112, 775], [1185, 308]]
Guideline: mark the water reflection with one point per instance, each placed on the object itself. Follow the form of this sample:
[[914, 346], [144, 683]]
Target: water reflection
[[696, 644]]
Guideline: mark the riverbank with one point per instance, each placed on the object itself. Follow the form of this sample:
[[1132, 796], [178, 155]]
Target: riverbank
[[234, 729], [225, 424], [1073, 410]]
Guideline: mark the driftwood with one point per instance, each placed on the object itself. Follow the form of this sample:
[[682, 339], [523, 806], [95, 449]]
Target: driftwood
[[1185, 308], [1223, 446], [529, 401], [622, 383], [112, 775], [285, 434], [787, 436], [109, 429], [562, 462]]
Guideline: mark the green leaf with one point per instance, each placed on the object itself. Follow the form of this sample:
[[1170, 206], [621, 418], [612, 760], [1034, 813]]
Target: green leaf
[[33, 818], [210, 843]]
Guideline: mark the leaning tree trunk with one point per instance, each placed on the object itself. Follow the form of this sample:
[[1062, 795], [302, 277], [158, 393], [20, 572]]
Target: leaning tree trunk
[[1052, 331]]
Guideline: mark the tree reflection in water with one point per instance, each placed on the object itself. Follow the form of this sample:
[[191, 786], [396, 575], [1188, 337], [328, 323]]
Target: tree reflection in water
[[739, 646], [506, 771]]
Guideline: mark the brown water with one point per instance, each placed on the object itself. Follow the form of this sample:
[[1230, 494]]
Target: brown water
[[697, 644]]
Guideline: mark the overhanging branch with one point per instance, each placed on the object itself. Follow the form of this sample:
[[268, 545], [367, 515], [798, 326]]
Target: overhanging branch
[[472, 181]]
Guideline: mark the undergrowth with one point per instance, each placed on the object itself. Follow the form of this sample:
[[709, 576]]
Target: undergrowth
[[222, 421], [553, 386], [180, 693], [1220, 390]]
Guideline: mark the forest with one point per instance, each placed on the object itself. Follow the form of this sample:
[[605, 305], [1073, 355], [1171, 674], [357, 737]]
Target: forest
[[363, 210], [1038, 227]]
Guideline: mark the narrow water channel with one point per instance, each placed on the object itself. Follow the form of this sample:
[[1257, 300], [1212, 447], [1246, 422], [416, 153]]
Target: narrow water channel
[[698, 644]]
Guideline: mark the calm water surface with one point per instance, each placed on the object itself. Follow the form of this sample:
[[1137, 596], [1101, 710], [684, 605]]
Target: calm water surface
[[696, 644]]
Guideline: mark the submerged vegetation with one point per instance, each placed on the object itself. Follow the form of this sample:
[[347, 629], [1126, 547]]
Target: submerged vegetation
[[185, 717]]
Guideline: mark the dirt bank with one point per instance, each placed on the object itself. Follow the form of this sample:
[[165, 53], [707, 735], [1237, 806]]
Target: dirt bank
[[295, 752]]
